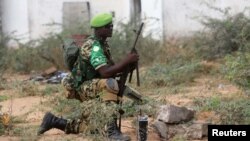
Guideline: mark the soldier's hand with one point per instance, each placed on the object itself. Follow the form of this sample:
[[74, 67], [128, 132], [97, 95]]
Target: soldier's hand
[[132, 57]]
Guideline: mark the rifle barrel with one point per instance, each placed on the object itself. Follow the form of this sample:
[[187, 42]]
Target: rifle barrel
[[138, 33]]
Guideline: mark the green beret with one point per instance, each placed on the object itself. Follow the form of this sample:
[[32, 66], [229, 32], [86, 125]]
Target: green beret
[[101, 20]]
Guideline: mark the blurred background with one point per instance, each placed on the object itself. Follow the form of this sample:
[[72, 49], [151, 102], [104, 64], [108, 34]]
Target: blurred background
[[193, 53], [30, 19]]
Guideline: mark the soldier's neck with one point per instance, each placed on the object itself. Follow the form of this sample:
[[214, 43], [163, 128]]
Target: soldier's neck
[[101, 39]]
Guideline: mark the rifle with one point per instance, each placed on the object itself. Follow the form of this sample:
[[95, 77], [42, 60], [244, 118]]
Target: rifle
[[134, 50], [124, 75]]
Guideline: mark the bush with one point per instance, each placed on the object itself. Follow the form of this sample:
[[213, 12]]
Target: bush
[[95, 113], [24, 59], [148, 106], [230, 111], [237, 69], [224, 35], [3, 54], [40, 54], [46, 52], [171, 74]]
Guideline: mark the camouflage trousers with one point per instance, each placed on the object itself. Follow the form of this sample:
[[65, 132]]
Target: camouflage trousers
[[105, 90]]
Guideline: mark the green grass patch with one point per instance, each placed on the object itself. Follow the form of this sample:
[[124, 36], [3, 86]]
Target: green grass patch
[[236, 69], [231, 111], [3, 98], [176, 73], [148, 107]]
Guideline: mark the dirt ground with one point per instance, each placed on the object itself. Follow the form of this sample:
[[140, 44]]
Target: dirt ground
[[27, 108]]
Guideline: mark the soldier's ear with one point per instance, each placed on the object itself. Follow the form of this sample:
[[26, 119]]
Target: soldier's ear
[[98, 30]]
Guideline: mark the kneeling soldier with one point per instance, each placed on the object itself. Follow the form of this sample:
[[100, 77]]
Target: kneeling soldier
[[93, 73]]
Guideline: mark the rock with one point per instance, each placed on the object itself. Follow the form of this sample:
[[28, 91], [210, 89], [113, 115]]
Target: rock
[[174, 114], [161, 128], [197, 130]]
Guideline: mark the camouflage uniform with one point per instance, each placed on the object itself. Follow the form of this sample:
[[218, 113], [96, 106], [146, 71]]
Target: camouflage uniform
[[85, 84], [97, 55]]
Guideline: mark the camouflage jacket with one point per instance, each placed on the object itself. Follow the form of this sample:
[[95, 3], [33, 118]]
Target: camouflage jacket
[[93, 55]]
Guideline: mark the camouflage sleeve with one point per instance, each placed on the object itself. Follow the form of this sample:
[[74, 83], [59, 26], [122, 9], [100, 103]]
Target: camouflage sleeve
[[97, 57]]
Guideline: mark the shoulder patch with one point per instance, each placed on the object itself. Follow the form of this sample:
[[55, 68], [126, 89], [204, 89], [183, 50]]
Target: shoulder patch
[[96, 48]]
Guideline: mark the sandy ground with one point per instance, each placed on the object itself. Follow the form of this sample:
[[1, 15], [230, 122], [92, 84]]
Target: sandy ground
[[28, 107]]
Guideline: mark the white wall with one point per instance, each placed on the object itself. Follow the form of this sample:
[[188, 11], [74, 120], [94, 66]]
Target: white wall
[[152, 16], [31, 17], [15, 18], [162, 17], [179, 15], [42, 12], [120, 7]]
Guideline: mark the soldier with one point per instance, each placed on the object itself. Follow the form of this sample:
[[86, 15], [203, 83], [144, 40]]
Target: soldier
[[93, 73]]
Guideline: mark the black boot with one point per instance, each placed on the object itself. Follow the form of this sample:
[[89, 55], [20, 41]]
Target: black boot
[[50, 121], [114, 134]]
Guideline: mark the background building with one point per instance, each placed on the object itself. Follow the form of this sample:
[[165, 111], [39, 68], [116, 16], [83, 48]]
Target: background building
[[29, 19]]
